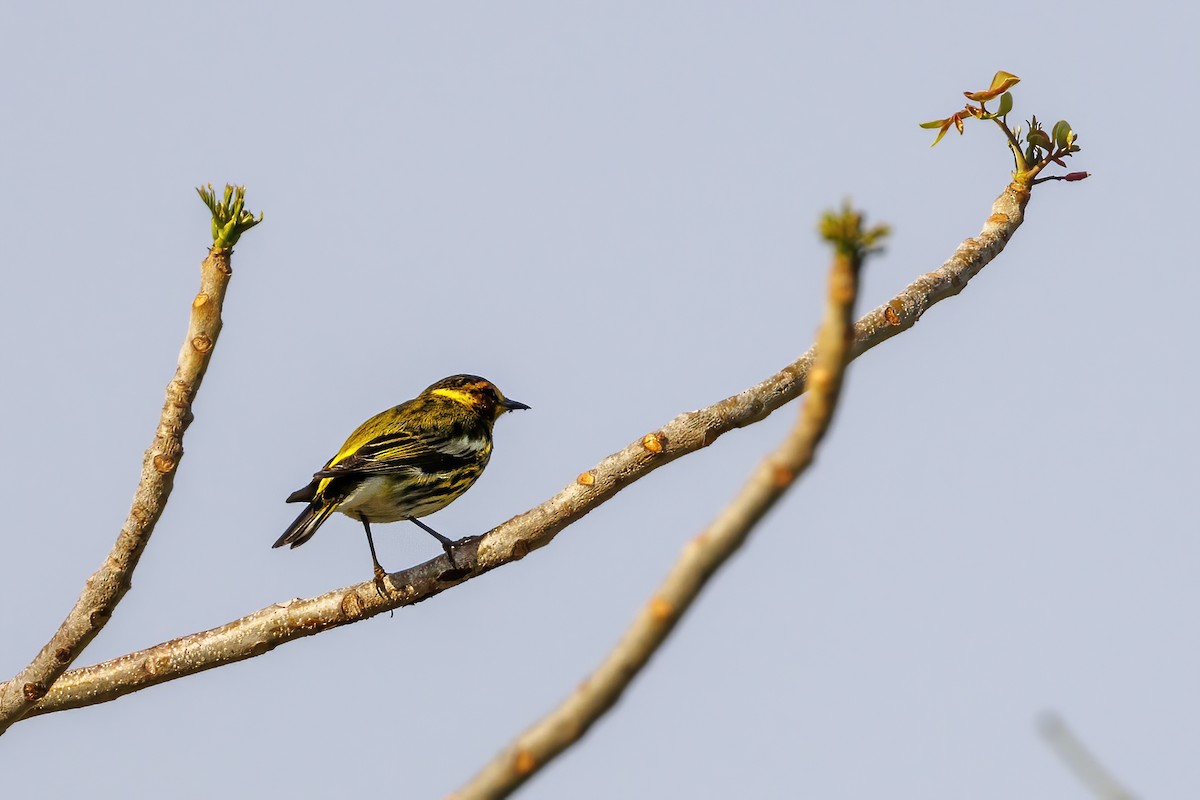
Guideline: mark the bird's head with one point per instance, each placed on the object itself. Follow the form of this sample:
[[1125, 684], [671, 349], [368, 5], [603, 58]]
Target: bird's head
[[475, 393]]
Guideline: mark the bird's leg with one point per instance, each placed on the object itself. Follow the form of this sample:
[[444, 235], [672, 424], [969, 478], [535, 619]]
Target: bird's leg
[[447, 545], [379, 572]]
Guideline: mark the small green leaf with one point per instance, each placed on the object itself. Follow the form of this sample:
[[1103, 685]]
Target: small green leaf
[[1038, 138], [1006, 104], [1060, 132]]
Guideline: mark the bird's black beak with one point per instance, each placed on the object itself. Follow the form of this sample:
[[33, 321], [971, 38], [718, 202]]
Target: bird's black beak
[[513, 405]]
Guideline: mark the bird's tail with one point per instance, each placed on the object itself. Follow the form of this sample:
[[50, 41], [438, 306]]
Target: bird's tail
[[306, 524]]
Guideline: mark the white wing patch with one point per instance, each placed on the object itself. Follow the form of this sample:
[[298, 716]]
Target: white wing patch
[[463, 445]]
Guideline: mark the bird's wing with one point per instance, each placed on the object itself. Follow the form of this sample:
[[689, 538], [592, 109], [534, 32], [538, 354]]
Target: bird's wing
[[405, 450]]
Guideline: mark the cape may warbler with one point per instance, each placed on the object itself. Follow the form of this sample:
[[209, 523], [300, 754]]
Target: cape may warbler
[[407, 462]]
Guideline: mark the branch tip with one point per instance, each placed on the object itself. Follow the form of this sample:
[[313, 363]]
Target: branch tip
[[845, 230], [230, 219]]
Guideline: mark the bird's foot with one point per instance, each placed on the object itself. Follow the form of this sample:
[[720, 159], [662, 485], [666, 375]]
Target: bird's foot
[[380, 586]]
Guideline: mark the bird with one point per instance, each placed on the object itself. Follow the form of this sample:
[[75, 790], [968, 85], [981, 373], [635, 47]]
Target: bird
[[405, 463]]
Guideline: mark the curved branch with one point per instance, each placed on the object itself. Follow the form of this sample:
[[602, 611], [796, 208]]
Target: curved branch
[[701, 558], [108, 584], [268, 628]]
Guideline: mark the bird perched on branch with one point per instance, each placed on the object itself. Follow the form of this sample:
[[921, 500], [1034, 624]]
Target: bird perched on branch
[[407, 462]]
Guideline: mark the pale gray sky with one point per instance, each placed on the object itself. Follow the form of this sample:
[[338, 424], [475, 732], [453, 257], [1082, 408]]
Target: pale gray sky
[[1002, 522]]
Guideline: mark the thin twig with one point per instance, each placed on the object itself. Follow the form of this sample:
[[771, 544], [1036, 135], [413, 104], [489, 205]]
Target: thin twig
[[534, 749], [108, 584], [270, 627], [1082, 764]]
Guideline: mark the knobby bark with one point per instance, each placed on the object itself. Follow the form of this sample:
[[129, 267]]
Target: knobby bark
[[108, 584]]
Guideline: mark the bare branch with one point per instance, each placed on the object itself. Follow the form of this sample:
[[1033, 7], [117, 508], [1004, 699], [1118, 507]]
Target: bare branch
[[1082, 764], [700, 559], [270, 627], [108, 584]]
